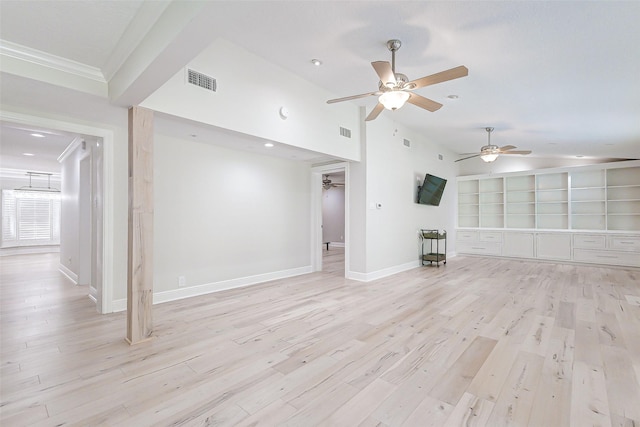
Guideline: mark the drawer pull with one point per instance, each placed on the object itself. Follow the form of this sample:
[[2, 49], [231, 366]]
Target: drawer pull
[[608, 256], [626, 243], [590, 241]]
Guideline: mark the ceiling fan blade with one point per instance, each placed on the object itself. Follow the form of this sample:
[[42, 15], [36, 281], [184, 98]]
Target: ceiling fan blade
[[440, 77], [385, 72], [423, 102], [349, 98], [470, 157], [375, 112], [507, 147], [517, 152]]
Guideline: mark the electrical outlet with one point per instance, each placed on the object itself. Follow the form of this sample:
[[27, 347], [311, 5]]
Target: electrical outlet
[[182, 281]]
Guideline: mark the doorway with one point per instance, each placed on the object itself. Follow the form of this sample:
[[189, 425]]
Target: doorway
[[98, 198], [336, 236]]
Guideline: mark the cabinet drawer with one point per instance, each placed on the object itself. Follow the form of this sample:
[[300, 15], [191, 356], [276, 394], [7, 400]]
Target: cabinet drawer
[[588, 241], [467, 236], [607, 257], [490, 236], [621, 243], [480, 248]]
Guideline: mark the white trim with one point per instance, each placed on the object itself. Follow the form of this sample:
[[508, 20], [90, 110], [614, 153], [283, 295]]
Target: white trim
[[68, 273], [70, 148], [385, 272], [337, 244], [207, 288], [108, 189], [23, 53]]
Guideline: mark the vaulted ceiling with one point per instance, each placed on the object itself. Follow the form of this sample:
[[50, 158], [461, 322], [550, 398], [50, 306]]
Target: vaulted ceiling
[[559, 78]]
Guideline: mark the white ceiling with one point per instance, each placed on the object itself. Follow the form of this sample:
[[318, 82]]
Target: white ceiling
[[559, 78]]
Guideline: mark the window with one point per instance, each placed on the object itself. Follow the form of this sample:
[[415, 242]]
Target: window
[[30, 218]]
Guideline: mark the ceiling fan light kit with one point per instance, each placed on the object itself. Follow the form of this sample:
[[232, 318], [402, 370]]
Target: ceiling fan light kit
[[394, 89], [490, 152], [394, 99]]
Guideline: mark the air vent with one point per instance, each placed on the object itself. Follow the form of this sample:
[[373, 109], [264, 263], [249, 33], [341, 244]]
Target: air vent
[[202, 80], [406, 143], [345, 132]]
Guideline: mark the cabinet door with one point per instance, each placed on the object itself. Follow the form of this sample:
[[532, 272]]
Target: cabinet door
[[518, 245], [553, 246]]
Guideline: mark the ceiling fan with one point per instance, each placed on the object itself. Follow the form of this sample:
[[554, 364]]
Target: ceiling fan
[[490, 152], [394, 89], [327, 183]]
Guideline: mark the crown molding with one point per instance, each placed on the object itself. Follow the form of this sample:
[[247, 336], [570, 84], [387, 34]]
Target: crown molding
[[23, 53]]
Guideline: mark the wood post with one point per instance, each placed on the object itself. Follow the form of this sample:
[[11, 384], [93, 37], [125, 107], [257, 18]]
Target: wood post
[[140, 241]]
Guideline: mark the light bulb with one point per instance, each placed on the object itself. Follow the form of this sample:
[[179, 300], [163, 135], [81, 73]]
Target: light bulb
[[394, 99]]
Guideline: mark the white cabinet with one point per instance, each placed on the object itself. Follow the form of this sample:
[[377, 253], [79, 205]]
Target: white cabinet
[[585, 214], [600, 248], [519, 245], [556, 246], [625, 243], [589, 241], [479, 243], [607, 257]]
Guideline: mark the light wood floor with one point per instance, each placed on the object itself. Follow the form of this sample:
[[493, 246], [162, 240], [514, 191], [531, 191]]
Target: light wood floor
[[479, 341]]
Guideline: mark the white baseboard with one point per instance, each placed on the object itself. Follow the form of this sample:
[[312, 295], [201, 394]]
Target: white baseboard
[[374, 275], [25, 250], [207, 288], [70, 274], [336, 244]]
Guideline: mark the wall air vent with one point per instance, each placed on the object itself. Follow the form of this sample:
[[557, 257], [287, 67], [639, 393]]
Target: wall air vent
[[202, 80], [345, 132], [406, 143]]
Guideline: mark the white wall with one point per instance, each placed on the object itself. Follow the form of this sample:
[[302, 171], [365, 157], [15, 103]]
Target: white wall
[[224, 215], [391, 171], [70, 212], [250, 92], [333, 215]]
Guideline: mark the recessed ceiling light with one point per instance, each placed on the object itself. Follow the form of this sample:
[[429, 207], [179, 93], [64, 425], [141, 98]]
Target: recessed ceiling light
[[316, 62], [452, 96], [37, 135], [268, 145], [28, 154]]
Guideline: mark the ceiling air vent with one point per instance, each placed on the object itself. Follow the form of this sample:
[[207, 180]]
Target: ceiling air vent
[[406, 143], [345, 132], [202, 80]]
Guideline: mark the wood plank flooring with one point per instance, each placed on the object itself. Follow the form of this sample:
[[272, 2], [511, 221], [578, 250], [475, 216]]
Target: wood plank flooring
[[478, 341]]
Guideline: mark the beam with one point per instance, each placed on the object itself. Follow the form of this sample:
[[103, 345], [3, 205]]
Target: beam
[[140, 241]]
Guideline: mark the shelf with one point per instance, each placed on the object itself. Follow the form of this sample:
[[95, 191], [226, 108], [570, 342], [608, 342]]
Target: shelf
[[592, 197]]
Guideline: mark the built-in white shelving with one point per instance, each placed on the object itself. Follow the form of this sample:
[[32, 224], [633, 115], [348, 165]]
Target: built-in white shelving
[[623, 199], [587, 214], [597, 197]]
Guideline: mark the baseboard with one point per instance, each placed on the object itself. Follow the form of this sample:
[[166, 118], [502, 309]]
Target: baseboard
[[336, 244], [68, 273], [25, 250], [385, 272], [194, 291]]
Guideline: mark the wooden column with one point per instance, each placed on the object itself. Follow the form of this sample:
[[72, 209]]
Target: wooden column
[[140, 262]]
